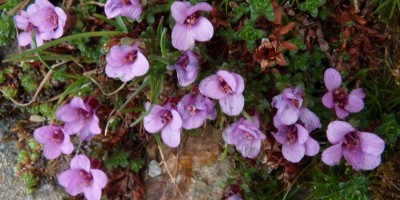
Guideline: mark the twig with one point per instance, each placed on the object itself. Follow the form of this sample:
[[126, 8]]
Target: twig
[[94, 3], [169, 173], [45, 79]]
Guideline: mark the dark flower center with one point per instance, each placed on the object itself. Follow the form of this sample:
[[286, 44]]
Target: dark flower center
[[192, 19], [86, 177], [184, 62], [131, 57], [249, 135], [352, 141], [57, 137], [291, 133], [295, 102], [224, 86], [166, 117], [84, 113], [340, 96], [126, 2], [53, 18], [192, 109]]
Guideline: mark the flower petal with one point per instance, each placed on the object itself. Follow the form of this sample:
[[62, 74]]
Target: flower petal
[[67, 113], [250, 151], [309, 119], [312, 147], [176, 122], [77, 102], [229, 135], [195, 121], [44, 134], [340, 112], [302, 134], [80, 162], [359, 92], [140, 66], [293, 152], [74, 127], [71, 180], [203, 30], [281, 136], [239, 83], [371, 143], [132, 11], [354, 158], [179, 11], [370, 162], [92, 192], [332, 155], [24, 38], [182, 38], [99, 177], [51, 150], [210, 87], [202, 6], [232, 105], [327, 100], [228, 78], [337, 130], [112, 10], [153, 122], [288, 115], [171, 137], [332, 79], [354, 104]]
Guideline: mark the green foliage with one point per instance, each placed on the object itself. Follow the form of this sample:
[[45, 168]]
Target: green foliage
[[330, 186], [239, 12], [250, 34], [30, 181], [7, 29], [261, 8], [387, 8], [10, 91], [2, 77], [311, 6], [389, 129], [122, 159], [29, 82]]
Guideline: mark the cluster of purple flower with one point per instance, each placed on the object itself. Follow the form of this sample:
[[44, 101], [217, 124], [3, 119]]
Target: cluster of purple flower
[[362, 150], [43, 19], [79, 117], [295, 123]]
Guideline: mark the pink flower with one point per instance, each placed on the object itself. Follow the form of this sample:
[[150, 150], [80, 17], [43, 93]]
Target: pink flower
[[127, 8], [362, 150], [187, 68], [45, 20], [246, 136], [25, 37], [55, 141], [194, 109], [296, 142], [289, 104], [165, 119], [227, 87], [81, 178], [80, 117], [190, 26], [338, 98], [126, 62], [50, 20]]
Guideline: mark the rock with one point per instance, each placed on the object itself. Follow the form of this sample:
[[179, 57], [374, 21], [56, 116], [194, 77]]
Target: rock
[[194, 166], [154, 169]]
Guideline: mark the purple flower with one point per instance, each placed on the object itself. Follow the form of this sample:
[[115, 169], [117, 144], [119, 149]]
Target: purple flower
[[55, 141], [227, 87], [165, 119], [127, 8], [246, 136], [362, 150], [289, 104], [190, 26], [80, 178], [25, 37], [48, 19], [338, 97], [194, 109], [126, 63], [187, 68], [296, 142], [80, 117]]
